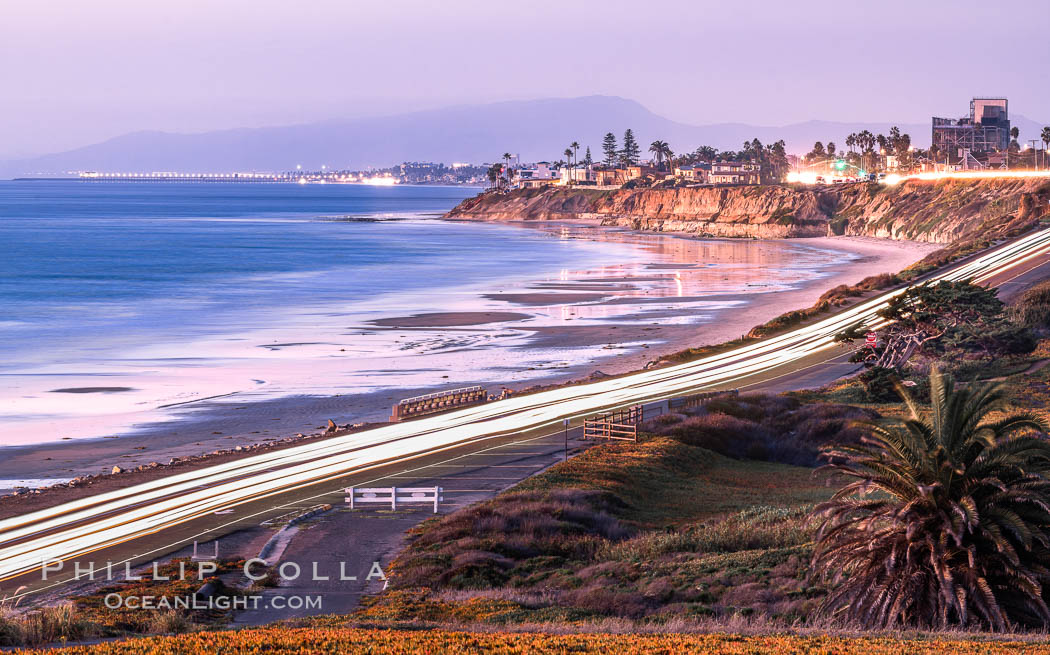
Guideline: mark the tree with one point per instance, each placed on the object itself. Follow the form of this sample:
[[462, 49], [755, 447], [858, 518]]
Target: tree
[[866, 143], [851, 141], [575, 145], [661, 151], [568, 158], [777, 161], [1044, 136], [958, 315], [631, 150], [706, 153], [831, 148], [899, 144], [817, 153], [507, 157], [944, 519], [495, 175], [587, 157], [610, 151]]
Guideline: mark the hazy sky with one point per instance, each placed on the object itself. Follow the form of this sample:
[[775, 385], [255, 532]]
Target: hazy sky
[[77, 71]]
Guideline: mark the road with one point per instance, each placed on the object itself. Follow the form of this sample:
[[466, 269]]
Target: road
[[185, 505]]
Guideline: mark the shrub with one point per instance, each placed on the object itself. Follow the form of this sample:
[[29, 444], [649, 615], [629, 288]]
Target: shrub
[[51, 624], [602, 600], [724, 434], [879, 383], [10, 632], [1032, 308], [169, 622], [474, 547], [764, 427]]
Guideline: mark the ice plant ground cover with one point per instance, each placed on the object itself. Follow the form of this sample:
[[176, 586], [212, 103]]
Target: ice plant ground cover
[[378, 642]]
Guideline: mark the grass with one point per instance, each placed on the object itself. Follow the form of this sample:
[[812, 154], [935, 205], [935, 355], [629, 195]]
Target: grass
[[643, 531], [663, 482]]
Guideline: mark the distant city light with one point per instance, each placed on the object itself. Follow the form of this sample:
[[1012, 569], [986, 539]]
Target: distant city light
[[379, 181]]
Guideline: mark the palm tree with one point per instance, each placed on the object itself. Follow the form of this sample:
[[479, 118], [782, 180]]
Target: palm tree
[[575, 151], [945, 520], [495, 175], [507, 157], [659, 150], [568, 158], [1044, 136]]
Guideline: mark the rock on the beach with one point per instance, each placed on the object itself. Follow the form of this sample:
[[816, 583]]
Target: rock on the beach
[[332, 427], [597, 375], [116, 469]]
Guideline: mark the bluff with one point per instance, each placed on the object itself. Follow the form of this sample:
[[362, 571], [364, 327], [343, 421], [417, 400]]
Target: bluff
[[938, 211]]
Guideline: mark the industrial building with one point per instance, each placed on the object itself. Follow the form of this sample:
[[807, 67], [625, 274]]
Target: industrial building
[[972, 138]]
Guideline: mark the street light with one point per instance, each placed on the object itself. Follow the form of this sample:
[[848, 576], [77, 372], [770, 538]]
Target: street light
[[565, 426]]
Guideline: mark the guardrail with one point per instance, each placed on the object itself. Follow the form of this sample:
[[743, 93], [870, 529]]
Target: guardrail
[[698, 399], [441, 401], [393, 496]]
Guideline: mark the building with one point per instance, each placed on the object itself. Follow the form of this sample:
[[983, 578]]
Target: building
[[735, 172], [643, 170], [578, 175], [609, 176], [984, 131], [536, 183], [540, 174], [693, 172], [620, 176]]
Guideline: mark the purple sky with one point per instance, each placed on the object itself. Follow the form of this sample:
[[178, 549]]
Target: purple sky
[[75, 72]]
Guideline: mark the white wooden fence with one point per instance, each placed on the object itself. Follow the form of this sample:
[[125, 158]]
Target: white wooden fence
[[393, 496]]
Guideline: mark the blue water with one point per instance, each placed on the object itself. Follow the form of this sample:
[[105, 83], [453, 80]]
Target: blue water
[[85, 262]]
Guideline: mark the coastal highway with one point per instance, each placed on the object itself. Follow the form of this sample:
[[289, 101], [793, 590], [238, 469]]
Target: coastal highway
[[105, 520]]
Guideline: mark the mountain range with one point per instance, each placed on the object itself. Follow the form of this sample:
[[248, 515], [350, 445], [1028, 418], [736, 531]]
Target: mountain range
[[534, 129]]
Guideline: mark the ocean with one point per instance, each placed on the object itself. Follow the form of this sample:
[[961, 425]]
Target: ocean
[[123, 300]]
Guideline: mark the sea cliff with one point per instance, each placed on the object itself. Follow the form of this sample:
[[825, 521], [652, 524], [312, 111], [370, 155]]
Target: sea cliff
[[941, 211]]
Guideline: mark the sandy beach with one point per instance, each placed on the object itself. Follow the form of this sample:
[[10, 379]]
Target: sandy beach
[[614, 319]]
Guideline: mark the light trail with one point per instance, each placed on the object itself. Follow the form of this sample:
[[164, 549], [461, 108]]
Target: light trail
[[80, 527], [810, 178], [977, 175]]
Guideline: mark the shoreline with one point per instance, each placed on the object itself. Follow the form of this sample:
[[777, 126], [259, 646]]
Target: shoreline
[[209, 425]]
